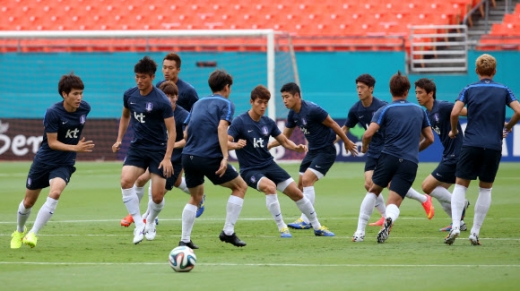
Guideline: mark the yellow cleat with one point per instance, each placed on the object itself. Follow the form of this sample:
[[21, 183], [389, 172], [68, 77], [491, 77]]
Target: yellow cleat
[[17, 237], [30, 239]]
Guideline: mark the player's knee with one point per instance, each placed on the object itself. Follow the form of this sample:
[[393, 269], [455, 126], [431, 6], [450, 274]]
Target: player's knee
[[427, 187], [140, 182], [126, 183], [367, 185]]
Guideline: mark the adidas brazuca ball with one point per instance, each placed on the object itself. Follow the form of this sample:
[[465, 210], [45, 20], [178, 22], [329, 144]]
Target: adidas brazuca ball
[[182, 259]]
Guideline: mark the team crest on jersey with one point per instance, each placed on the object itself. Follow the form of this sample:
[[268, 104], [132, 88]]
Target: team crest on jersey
[[253, 179], [304, 121], [264, 130], [436, 117], [82, 119], [149, 106]]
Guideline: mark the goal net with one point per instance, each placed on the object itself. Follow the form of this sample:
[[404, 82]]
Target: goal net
[[32, 63]]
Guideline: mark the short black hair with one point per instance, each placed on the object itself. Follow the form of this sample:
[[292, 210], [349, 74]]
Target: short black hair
[[169, 88], [145, 66], [367, 80], [399, 85], [292, 88], [69, 82], [428, 85], [218, 80]]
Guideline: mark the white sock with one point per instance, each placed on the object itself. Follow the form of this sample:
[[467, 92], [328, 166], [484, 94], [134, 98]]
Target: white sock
[[45, 213], [183, 186], [444, 197], [458, 201], [154, 210], [365, 210], [234, 206], [273, 205], [307, 208], [392, 211], [139, 191], [481, 209], [22, 216], [147, 212], [188, 220], [311, 195], [412, 194], [380, 205], [132, 205]]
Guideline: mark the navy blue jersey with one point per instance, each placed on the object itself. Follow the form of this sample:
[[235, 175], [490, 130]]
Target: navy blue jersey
[[147, 114], [187, 94], [486, 102], [68, 126], [203, 122], [309, 120], [359, 114], [180, 115], [401, 123], [256, 133], [439, 118]]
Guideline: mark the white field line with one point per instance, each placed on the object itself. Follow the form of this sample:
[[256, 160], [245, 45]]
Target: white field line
[[264, 265]]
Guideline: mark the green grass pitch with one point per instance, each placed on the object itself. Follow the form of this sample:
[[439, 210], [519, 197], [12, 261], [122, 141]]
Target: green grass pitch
[[83, 247]]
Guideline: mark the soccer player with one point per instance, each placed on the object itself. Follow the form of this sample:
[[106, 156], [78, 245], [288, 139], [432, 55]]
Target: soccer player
[[171, 68], [150, 113], [206, 155], [401, 124], [482, 142], [361, 113], [441, 179], [54, 162], [252, 130], [320, 131], [176, 180]]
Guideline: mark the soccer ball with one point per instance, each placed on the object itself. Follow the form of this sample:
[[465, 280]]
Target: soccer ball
[[182, 259]]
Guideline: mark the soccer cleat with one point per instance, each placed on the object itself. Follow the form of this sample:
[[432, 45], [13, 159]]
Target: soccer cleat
[[358, 236], [383, 234], [150, 231], [428, 207], [138, 235], [473, 239], [189, 244], [450, 238], [299, 224], [200, 207], [323, 231], [30, 239], [232, 239], [127, 221], [466, 205], [463, 227], [17, 237], [284, 233], [380, 222]]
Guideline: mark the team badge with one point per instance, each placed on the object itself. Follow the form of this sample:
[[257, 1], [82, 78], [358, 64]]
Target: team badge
[[149, 106], [304, 121], [82, 119], [264, 130], [436, 117]]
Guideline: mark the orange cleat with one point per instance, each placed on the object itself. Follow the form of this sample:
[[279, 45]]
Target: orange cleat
[[380, 222], [127, 221], [428, 207]]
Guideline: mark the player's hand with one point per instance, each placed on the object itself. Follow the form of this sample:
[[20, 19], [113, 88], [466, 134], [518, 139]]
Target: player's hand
[[166, 166], [241, 143], [84, 146], [506, 131], [364, 149], [453, 133], [223, 167], [270, 146], [301, 148], [116, 147], [350, 147]]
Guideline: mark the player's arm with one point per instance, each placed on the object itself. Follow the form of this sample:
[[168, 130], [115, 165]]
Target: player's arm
[[349, 145], [166, 163], [367, 136], [345, 130], [515, 105], [287, 132], [83, 146], [123, 126], [235, 145], [427, 138], [289, 144], [464, 112], [454, 118], [223, 142]]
